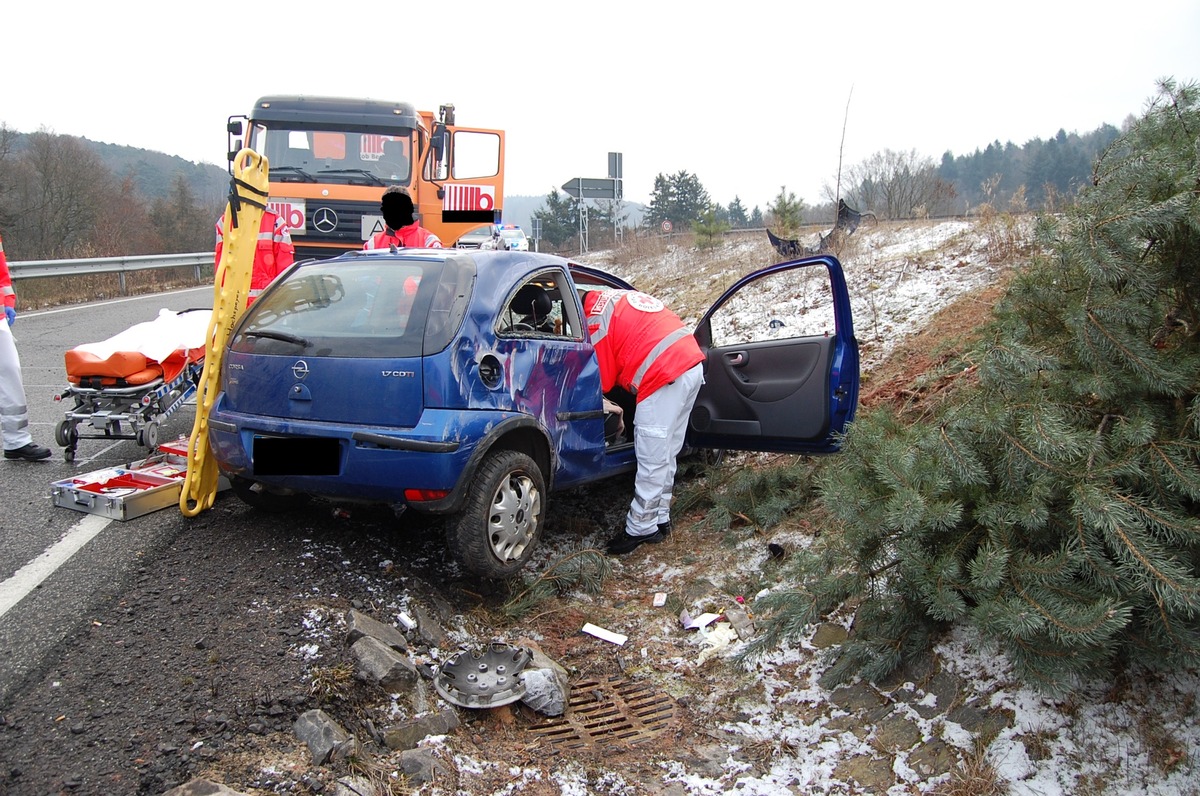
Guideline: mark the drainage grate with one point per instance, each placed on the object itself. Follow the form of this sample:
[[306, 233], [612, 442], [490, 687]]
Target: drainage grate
[[612, 712]]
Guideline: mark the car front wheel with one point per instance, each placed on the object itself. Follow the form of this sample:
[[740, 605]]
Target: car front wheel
[[496, 531]]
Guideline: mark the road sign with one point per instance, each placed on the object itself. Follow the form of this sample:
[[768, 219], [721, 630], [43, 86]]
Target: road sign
[[666, 226], [590, 188], [614, 165]]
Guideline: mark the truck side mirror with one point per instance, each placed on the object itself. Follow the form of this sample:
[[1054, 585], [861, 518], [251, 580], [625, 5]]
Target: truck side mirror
[[234, 127]]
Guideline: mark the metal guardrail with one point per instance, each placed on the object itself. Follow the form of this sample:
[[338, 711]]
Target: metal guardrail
[[31, 269]]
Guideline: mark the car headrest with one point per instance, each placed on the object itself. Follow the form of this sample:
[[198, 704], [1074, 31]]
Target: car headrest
[[532, 300]]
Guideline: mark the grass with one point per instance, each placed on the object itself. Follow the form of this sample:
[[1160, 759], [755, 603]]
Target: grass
[[975, 776], [331, 682]]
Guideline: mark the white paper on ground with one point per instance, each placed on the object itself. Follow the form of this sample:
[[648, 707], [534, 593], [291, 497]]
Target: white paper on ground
[[703, 620], [606, 635]]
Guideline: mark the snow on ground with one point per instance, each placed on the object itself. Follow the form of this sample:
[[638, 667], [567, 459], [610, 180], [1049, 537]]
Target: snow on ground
[[1141, 738]]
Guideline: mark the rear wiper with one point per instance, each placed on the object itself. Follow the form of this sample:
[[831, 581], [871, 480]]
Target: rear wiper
[[363, 172], [295, 339], [293, 171]]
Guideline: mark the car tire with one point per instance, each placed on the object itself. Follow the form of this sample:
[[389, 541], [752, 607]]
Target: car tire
[[256, 497], [500, 524]]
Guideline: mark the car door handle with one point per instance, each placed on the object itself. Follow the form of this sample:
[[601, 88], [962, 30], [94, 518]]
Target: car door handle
[[736, 358]]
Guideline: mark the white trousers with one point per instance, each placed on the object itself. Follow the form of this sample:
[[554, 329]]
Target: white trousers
[[659, 426], [14, 413]]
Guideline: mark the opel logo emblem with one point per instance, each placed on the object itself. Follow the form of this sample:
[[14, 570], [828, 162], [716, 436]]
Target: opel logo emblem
[[325, 220], [300, 369]]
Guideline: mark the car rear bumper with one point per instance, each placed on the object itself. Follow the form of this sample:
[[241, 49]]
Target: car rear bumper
[[373, 464]]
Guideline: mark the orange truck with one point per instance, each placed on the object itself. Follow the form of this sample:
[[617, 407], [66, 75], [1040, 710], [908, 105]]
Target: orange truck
[[331, 158]]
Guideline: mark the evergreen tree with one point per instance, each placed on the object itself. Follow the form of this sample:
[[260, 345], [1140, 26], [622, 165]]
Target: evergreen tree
[[679, 198], [709, 229], [559, 219], [182, 224], [786, 213], [662, 200], [1056, 503], [737, 214]]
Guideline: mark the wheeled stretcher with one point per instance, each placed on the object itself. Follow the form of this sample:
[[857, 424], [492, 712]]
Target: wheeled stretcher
[[125, 386]]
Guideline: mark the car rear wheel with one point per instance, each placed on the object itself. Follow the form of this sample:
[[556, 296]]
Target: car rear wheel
[[501, 521], [257, 496]]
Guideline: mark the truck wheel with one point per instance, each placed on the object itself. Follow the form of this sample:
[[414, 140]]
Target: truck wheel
[[256, 496], [501, 521]]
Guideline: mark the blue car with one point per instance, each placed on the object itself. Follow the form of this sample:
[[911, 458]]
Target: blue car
[[462, 382]]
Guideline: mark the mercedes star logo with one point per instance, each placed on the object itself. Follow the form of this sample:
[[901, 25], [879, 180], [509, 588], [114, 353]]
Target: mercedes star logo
[[300, 369], [325, 220]]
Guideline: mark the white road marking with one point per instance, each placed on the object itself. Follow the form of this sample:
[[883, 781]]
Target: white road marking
[[30, 576], [102, 452]]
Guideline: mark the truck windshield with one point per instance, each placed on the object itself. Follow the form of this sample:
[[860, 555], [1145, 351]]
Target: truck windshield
[[336, 156]]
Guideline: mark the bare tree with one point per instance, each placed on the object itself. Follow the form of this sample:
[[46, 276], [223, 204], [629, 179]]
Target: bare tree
[[183, 224], [898, 185], [124, 227], [58, 191], [8, 138]]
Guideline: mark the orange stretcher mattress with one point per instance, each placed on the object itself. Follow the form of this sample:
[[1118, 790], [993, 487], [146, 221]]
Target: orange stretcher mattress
[[126, 368], [161, 348]]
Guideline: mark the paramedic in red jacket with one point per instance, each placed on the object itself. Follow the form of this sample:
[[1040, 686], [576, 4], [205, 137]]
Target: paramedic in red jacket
[[14, 411], [645, 348], [402, 228], [273, 252]]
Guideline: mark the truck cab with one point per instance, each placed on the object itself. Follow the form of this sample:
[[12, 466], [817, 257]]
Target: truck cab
[[331, 158]]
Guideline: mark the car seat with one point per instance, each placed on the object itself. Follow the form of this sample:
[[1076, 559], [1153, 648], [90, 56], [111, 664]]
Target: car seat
[[532, 303]]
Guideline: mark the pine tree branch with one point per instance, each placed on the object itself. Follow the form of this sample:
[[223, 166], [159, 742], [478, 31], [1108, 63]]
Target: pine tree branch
[[1144, 560], [874, 573], [1091, 316], [1158, 519], [1041, 609], [1032, 456], [1091, 460]]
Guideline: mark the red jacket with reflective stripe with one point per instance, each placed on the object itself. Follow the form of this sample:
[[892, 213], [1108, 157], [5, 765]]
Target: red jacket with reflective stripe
[[6, 289], [641, 345], [272, 254], [414, 236]]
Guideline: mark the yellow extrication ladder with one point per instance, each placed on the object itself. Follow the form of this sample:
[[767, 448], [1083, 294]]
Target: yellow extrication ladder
[[243, 214]]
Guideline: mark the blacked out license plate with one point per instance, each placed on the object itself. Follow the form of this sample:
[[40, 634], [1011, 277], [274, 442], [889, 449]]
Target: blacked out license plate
[[296, 456]]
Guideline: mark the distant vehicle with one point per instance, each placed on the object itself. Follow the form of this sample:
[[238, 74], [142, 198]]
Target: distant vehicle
[[475, 239], [331, 158], [464, 383], [512, 238]]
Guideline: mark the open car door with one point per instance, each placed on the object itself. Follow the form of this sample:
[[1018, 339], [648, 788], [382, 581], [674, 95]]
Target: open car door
[[781, 370]]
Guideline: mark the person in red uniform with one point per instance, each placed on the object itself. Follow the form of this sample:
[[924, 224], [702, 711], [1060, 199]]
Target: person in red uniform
[[402, 229], [272, 254], [645, 348], [14, 411]]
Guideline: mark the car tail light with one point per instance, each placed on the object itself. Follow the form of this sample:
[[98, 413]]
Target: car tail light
[[421, 495]]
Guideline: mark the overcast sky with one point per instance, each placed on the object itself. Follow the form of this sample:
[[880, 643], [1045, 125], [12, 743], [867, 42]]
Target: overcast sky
[[749, 96]]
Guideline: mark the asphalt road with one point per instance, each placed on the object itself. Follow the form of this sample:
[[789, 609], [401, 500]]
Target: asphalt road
[[57, 564]]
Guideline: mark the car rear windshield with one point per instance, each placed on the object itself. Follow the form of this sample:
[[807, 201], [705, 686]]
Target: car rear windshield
[[368, 306]]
